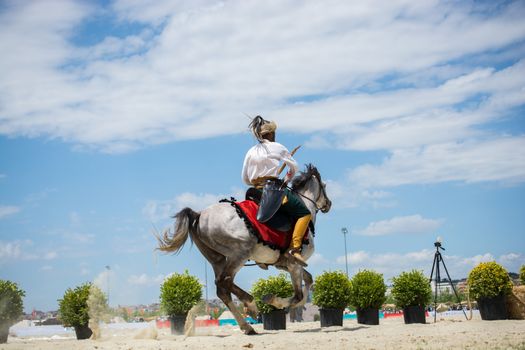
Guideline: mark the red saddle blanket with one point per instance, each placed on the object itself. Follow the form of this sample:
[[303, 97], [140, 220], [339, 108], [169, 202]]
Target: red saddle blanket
[[273, 238]]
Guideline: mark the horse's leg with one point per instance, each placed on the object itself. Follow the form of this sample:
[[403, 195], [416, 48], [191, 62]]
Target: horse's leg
[[224, 274], [296, 273], [308, 281], [224, 288], [246, 299]]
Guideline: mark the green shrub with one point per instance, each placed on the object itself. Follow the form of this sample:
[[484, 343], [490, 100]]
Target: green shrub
[[179, 293], [73, 308], [488, 280], [11, 303], [274, 285], [411, 289], [367, 290], [331, 290], [522, 274]]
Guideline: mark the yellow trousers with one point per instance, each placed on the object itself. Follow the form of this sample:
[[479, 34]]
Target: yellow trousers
[[298, 232]]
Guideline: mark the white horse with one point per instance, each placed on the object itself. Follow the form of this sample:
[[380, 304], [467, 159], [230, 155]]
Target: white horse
[[224, 240]]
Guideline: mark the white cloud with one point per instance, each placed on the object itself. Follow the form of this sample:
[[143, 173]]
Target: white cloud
[[144, 279], [512, 261], [16, 251], [475, 260], [46, 268], [350, 196], [39, 196], [498, 159], [317, 259], [391, 264], [75, 218], [357, 257], [8, 210], [413, 224], [84, 238], [10, 250], [324, 72], [157, 210], [510, 258], [50, 255], [157, 11]]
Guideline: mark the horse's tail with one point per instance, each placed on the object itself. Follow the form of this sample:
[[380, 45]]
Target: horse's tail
[[186, 222]]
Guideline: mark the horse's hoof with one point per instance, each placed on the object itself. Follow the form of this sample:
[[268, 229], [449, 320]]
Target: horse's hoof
[[252, 314], [267, 299]]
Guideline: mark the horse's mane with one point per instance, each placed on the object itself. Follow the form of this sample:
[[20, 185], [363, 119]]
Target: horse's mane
[[300, 180]]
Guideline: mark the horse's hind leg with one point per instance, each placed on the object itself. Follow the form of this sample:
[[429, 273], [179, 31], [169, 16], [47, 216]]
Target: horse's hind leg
[[224, 283], [224, 274], [297, 273], [308, 281], [246, 299]]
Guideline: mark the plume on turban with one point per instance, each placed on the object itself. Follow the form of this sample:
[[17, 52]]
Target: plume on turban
[[261, 127]]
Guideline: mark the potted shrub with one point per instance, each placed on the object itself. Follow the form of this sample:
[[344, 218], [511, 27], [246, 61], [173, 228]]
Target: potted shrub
[[11, 307], [331, 292], [489, 283], [73, 309], [280, 286], [412, 292], [178, 294], [367, 294]]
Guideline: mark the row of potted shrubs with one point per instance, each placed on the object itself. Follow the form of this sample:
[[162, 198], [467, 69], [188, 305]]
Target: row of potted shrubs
[[488, 284], [333, 292]]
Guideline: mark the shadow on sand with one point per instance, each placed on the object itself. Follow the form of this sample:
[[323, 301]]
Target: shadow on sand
[[331, 329]]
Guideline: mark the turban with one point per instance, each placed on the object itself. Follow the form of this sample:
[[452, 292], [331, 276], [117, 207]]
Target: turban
[[261, 127]]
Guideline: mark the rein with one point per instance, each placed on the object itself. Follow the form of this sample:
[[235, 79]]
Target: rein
[[321, 192]]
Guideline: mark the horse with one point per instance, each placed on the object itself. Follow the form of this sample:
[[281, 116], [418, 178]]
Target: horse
[[224, 240]]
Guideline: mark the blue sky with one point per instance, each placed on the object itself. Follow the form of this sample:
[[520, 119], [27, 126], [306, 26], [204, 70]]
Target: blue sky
[[114, 115]]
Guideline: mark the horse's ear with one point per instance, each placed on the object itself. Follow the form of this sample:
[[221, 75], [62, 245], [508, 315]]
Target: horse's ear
[[314, 171], [308, 168]]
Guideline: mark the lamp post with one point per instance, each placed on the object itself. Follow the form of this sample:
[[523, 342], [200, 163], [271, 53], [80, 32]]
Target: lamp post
[[345, 231]]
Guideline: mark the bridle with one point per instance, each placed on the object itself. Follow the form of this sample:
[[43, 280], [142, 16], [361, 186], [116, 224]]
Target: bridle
[[321, 192]]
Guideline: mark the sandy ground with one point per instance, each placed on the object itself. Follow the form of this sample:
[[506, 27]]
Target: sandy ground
[[449, 333]]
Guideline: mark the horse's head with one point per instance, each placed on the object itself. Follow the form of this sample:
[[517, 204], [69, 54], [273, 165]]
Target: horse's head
[[312, 188]]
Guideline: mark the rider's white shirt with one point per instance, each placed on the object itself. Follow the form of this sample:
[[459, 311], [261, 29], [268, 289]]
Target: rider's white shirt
[[265, 159]]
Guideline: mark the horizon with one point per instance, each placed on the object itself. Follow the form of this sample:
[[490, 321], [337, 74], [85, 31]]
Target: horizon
[[116, 114]]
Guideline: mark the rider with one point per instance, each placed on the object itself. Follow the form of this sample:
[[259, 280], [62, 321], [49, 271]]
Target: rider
[[262, 163]]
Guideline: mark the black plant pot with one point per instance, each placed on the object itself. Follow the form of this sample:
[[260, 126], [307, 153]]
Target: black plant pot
[[331, 317], [275, 320], [493, 308], [83, 332], [414, 314], [4, 333], [368, 316], [177, 323]]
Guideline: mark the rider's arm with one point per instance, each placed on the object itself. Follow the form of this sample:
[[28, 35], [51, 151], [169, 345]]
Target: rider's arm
[[244, 174], [287, 158]]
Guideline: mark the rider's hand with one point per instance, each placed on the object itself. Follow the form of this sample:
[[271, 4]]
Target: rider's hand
[[288, 177]]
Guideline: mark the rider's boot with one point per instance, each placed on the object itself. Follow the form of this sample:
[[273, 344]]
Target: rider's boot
[[297, 239]]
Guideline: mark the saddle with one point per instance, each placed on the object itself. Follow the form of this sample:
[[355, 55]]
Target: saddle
[[279, 221]]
